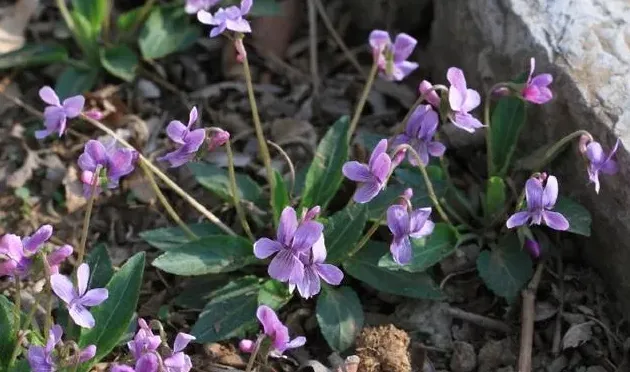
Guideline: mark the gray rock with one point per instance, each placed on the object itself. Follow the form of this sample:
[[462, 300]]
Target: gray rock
[[464, 358], [429, 318], [496, 353], [585, 46]]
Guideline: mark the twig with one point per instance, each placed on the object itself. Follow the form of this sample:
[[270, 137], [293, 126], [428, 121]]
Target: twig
[[86, 219], [528, 316], [312, 36], [479, 320], [557, 335], [342, 45], [192, 201]]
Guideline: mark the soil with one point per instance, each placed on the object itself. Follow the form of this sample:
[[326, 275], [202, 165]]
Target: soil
[[383, 349]]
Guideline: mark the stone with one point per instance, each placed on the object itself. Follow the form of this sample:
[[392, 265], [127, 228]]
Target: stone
[[464, 358], [496, 353], [429, 318], [585, 46]]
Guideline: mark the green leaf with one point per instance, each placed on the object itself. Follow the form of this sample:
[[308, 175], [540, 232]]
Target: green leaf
[[120, 61], [199, 290], [231, 313], [495, 197], [343, 229], [508, 119], [7, 325], [364, 266], [113, 316], [33, 55], [168, 238], [74, 80], [127, 20], [217, 180], [274, 294], [579, 217], [367, 139], [340, 317], [100, 266], [86, 36], [426, 251], [167, 30], [209, 255], [324, 175], [281, 196], [22, 366], [260, 8], [505, 269], [94, 11]]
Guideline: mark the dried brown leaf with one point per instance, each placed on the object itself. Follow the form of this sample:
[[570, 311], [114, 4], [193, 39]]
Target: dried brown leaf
[[14, 23]]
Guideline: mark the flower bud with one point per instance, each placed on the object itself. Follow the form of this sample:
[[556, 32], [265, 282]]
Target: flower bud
[[56, 257], [246, 346], [532, 247], [94, 114], [218, 138], [398, 157], [311, 214], [584, 141], [432, 96]]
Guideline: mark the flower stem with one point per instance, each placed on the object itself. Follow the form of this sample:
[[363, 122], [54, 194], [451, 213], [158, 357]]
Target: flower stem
[[166, 204], [486, 120], [86, 219], [260, 136], [192, 201], [234, 191], [429, 184], [48, 319], [366, 237], [553, 151], [254, 355], [363, 99]]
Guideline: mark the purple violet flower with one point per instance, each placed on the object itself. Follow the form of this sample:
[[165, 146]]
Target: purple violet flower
[[16, 253], [532, 247], [292, 239], [57, 256], [147, 363], [536, 88], [462, 100], [144, 341], [78, 299], [599, 162], [372, 177], [314, 269], [41, 358], [277, 332], [419, 133], [392, 58], [189, 141], [405, 225], [109, 162], [540, 202], [193, 6], [432, 97], [178, 361], [57, 114], [230, 18]]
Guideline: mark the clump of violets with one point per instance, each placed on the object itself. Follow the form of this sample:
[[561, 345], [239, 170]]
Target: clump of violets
[[230, 18], [419, 133], [405, 223], [193, 6], [275, 331], [540, 202], [80, 298], [57, 114], [103, 164], [372, 177], [144, 349], [599, 161], [17, 254], [391, 58], [536, 89], [462, 100], [44, 358], [188, 141]]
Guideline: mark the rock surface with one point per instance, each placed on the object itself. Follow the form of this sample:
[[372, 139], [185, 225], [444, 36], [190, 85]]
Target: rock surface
[[586, 46]]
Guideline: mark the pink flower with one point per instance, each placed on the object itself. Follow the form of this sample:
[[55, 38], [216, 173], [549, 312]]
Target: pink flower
[[392, 57], [57, 114], [536, 88], [462, 101]]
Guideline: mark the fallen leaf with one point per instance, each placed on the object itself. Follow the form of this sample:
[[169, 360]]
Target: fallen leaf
[[74, 190], [25, 172], [13, 25], [577, 335], [545, 310]]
